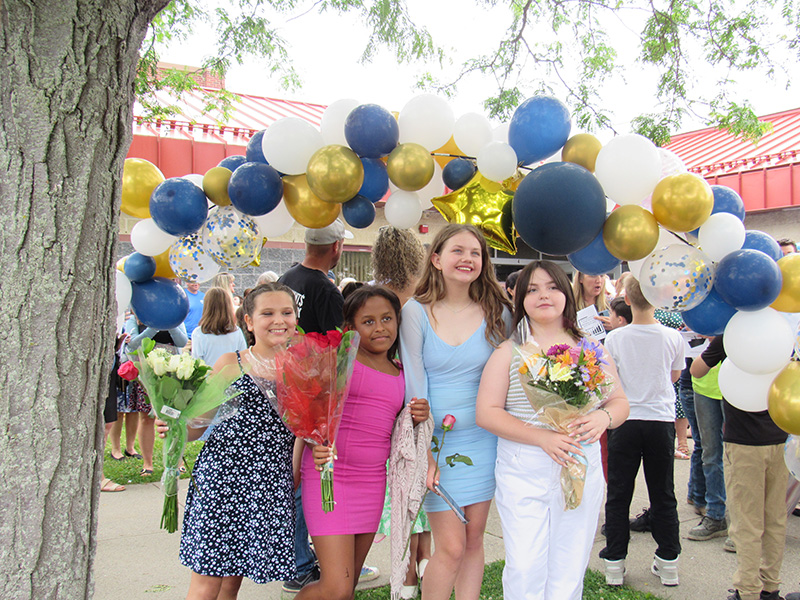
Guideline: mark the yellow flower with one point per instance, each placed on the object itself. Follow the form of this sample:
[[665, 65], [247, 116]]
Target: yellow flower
[[559, 372], [523, 369]]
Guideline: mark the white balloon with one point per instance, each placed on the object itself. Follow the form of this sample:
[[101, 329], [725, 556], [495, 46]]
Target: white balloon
[[744, 390], [289, 143], [148, 239], [332, 125], [276, 222], [123, 292], [434, 188], [628, 167], [403, 209], [721, 234], [472, 132], [195, 178], [759, 341], [426, 120], [500, 133], [497, 161]]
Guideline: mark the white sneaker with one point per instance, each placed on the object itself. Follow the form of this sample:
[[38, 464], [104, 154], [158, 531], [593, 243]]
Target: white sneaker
[[667, 570], [615, 571], [408, 592]]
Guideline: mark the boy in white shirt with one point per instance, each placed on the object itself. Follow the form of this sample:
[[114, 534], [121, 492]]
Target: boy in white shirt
[[649, 358]]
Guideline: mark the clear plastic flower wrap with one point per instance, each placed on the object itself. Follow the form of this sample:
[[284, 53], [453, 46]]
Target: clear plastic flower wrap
[[563, 383], [183, 393]]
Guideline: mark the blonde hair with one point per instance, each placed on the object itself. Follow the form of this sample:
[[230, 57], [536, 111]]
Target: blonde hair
[[397, 257], [600, 302], [218, 316], [485, 290], [222, 280], [633, 292]]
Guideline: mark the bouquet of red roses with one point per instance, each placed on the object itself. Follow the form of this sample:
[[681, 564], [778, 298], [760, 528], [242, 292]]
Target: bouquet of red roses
[[312, 378]]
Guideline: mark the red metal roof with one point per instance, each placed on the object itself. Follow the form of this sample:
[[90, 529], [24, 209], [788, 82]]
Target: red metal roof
[[766, 174], [193, 142]]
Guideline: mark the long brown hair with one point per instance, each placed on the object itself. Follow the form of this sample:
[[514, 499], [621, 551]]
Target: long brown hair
[[485, 290], [218, 317], [570, 315]]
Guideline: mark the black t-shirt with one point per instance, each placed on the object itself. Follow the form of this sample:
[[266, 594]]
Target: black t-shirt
[[741, 427], [319, 302]]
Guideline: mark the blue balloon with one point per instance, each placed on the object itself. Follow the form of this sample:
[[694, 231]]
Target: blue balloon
[[371, 131], [359, 212], [232, 162], [159, 303], [254, 152], [710, 316], [458, 172], [748, 279], [376, 180], [139, 267], [539, 127], [559, 208], [594, 259], [178, 206], [725, 200], [758, 240], [255, 189]]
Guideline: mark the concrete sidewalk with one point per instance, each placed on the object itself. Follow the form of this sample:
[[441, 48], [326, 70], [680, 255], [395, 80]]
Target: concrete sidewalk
[[137, 561]]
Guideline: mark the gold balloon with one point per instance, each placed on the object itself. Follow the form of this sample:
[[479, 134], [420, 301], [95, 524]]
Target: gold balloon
[[480, 203], [630, 232], [335, 173], [789, 298], [121, 264], [215, 185], [449, 148], [163, 268], [784, 399], [682, 202], [410, 167], [582, 149], [139, 178], [304, 206]]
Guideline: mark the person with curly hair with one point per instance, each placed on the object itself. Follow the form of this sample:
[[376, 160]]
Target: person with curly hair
[[397, 257]]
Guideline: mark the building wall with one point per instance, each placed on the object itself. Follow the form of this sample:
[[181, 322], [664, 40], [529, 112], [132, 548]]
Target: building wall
[[782, 223]]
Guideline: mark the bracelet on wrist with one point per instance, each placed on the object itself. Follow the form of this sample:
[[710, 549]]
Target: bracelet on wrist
[[610, 420]]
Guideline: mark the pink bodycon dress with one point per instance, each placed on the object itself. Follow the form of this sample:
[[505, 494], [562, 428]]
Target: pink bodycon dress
[[359, 474]]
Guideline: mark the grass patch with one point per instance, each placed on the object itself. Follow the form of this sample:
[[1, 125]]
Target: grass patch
[[594, 588], [128, 471]]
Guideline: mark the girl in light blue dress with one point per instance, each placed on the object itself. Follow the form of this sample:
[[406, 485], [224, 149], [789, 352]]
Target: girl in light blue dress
[[458, 316]]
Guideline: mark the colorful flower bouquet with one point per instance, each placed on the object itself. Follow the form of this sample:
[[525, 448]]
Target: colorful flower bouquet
[[562, 384], [182, 393], [312, 378]]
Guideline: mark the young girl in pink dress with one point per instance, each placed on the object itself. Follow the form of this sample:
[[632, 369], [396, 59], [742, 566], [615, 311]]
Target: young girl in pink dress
[[342, 538]]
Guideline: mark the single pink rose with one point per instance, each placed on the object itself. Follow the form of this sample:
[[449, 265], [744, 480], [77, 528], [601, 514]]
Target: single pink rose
[[448, 422], [128, 371]]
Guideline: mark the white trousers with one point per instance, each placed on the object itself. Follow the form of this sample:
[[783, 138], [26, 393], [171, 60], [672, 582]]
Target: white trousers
[[547, 548]]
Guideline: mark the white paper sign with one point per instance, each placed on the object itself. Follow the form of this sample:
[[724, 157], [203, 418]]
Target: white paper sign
[[589, 324]]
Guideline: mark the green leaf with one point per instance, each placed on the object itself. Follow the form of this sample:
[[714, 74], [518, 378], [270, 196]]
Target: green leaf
[[460, 458], [169, 388]]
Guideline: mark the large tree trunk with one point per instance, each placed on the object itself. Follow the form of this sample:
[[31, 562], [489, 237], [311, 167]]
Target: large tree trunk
[[66, 94]]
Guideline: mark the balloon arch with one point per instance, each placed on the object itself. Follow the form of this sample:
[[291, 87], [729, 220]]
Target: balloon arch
[[682, 238]]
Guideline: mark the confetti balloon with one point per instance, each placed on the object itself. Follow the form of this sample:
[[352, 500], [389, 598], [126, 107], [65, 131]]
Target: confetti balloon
[[190, 262], [678, 277], [791, 454], [230, 238]]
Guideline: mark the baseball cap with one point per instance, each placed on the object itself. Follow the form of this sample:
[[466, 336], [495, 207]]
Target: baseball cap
[[328, 235]]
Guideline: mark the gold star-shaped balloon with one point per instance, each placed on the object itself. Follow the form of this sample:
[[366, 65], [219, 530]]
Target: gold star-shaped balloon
[[480, 203]]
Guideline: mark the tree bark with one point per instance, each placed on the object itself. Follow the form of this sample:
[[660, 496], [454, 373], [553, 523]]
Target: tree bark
[[66, 97]]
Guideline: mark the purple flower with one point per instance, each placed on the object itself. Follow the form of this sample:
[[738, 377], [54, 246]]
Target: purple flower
[[558, 349]]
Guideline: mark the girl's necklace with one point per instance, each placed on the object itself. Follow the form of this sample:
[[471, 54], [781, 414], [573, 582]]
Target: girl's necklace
[[456, 311]]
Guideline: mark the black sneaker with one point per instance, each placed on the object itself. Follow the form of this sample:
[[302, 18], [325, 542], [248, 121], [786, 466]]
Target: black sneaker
[[642, 521], [770, 595], [735, 595], [301, 581]]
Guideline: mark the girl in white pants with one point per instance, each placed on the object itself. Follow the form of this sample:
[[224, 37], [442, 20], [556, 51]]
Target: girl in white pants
[[547, 547]]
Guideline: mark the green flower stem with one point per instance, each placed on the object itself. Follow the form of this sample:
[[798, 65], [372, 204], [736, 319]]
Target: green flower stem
[[174, 444], [326, 481]]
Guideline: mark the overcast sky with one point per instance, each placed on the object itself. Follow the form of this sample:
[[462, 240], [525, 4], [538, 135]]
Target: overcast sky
[[326, 50]]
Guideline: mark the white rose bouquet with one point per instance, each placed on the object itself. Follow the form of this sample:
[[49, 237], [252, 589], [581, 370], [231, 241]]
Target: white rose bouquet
[[182, 393]]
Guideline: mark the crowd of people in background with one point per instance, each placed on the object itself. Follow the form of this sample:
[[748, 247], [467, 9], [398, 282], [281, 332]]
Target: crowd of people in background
[[439, 336]]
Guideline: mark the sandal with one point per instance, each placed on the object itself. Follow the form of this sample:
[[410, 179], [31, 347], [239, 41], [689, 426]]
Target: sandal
[[106, 485], [118, 458], [182, 469], [145, 472], [135, 455]]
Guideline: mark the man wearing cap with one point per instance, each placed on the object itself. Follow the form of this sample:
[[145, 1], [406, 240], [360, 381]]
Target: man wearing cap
[[319, 306], [319, 302]]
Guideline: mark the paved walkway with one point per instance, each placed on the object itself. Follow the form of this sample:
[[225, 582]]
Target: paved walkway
[[137, 561]]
